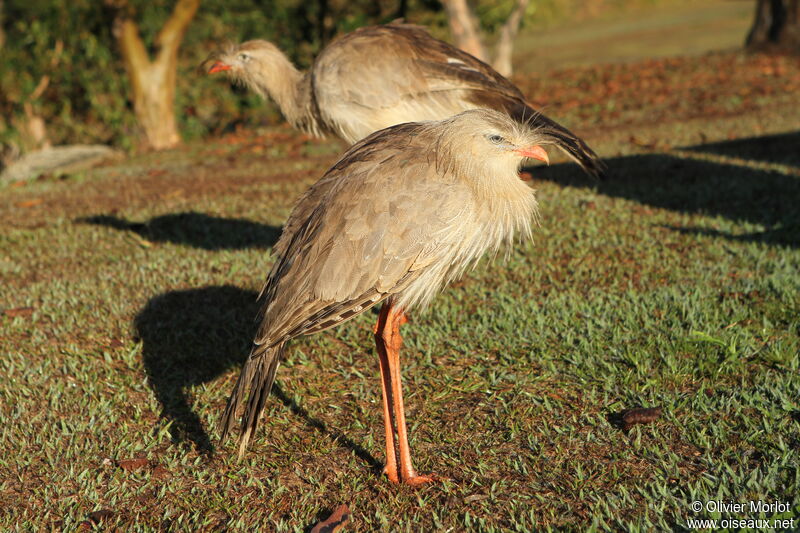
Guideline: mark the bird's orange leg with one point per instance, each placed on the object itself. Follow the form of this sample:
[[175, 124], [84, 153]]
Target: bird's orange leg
[[386, 391], [388, 328]]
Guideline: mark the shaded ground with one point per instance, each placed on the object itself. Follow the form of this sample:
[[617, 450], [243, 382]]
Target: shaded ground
[[759, 185], [129, 297]]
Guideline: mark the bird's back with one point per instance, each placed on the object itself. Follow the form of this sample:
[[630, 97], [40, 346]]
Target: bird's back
[[379, 76], [391, 217], [354, 237]]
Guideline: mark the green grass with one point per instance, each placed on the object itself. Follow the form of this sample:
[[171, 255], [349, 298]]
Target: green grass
[[661, 29], [673, 284]]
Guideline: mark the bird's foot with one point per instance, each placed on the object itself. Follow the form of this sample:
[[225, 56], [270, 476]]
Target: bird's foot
[[417, 480], [391, 473], [413, 480]]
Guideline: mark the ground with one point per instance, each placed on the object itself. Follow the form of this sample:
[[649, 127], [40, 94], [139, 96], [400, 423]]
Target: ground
[[129, 295]]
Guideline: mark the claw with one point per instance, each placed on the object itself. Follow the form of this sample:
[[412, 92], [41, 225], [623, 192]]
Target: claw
[[391, 474], [418, 480]]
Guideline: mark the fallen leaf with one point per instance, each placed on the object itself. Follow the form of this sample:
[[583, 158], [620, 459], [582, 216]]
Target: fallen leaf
[[642, 415], [144, 243], [98, 516], [173, 193], [159, 472], [115, 343], [644, 144], [18, 311], [335, 521], [29, 203], [132, 464]]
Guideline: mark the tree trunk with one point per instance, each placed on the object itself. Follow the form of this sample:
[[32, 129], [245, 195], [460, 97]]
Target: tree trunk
[[776, 25], [505, 45], [34, 129], [2, 32], [402, 10], [153, 82], [464, 28]]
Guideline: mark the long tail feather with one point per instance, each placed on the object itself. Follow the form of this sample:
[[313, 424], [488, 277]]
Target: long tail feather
[[567, 141], [257, 377]]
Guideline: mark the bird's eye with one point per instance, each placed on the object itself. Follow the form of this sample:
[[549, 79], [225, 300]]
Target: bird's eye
[[496, 139], [244, 57]]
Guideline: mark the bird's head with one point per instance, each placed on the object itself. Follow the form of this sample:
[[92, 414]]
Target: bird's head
[[247, 63], [484, 142]]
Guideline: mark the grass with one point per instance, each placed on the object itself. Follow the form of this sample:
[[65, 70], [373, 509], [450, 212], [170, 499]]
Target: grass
[[129, 291], [661, 29]]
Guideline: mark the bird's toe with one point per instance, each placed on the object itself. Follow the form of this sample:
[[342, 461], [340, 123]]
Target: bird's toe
[[418, 480]]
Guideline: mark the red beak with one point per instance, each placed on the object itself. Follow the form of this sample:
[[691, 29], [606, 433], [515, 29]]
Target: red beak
[[219, 66], [534, 152]]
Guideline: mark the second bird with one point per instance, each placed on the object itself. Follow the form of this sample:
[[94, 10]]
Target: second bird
[[379, 76]]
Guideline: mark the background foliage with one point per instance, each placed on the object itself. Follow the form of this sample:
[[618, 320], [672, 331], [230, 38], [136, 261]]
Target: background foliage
[[87, 97]]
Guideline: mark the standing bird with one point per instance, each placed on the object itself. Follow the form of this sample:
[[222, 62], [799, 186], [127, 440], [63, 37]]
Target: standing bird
[[379, 76], [401, 214]]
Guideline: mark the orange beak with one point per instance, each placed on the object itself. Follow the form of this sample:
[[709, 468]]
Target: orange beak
[[219, 66], [534, 152]]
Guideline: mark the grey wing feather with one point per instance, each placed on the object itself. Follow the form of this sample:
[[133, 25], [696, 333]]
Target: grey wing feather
[[411, 63], [346, 247], [416, 77]]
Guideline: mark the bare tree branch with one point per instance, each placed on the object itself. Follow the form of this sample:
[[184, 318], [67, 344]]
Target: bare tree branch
[[153, 82], [2, 33], [505, 45], [171, 35], [464, 28]]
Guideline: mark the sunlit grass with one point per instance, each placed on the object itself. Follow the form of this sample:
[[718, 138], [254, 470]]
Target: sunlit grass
[[674, 284]]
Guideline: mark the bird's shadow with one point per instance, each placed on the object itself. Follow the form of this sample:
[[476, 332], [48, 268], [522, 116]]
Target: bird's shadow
[[199, 230], [191, 337], [783, 148], [742, 190]]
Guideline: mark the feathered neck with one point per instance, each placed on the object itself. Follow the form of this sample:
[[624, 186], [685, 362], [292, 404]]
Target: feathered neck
[[273, 75]]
